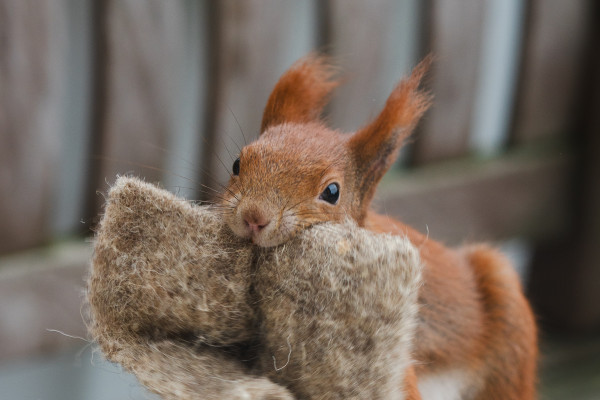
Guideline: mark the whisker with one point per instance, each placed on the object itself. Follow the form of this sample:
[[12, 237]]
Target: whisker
[[216, 192], [224, 166], [298, 203], [313, 213], [236, 145], [227, 148], [238, 124], [327, 169], [192, 166], [211, 192], [145, 166]]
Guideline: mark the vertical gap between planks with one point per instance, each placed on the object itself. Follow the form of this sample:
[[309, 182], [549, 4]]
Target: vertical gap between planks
[[211, 96], [423, 48], [183, 159], [414, 20], [323, 37], [74, 164], [323, 24], [551, 65], [99, 59], [520, 77]]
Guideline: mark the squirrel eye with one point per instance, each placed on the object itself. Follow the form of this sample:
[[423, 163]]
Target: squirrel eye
[[236, 167], [331, 194]]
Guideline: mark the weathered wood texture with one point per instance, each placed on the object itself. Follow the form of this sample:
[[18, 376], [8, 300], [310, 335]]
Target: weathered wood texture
[[455, 40], [587, 306], [42, 291], [73, 169], [140, 117], [31, 80], [497, 82], [375, 43], [552, 67], [255, 41], [185, 141], [565, 284], [173, 79], [144, 45], [473, 201]]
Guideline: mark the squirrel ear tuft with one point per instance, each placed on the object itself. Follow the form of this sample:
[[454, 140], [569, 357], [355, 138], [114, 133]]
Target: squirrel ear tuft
[[301, 93], [376, 146]]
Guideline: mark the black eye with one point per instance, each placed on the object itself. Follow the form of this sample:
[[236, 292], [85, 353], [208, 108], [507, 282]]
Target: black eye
[[331, 194], [236, 167]]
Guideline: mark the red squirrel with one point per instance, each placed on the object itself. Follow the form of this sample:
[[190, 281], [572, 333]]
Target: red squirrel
[[476, 337]]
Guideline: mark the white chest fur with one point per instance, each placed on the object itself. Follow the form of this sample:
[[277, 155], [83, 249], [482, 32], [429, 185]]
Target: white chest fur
[[454, 384]]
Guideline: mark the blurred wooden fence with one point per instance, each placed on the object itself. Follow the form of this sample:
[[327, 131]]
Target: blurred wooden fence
[[169, 90]]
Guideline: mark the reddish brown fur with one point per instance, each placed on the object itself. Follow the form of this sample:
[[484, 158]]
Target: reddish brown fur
[[473, 314], [301, 93], [376, 146], [410, 387]]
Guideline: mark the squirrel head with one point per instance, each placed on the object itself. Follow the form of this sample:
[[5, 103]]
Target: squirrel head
[[300, 172]]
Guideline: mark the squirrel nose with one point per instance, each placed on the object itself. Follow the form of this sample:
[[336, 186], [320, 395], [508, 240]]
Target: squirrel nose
[[255, 227], [255, 220]]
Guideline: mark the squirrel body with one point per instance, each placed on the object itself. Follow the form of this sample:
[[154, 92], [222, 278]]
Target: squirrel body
[[476, 335]]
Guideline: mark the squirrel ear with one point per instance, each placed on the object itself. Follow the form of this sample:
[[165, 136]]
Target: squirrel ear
[[376, 146], [301, 93]]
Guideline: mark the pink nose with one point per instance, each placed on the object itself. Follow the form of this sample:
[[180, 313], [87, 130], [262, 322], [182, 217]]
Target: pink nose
[[256, 221], [255, 227]]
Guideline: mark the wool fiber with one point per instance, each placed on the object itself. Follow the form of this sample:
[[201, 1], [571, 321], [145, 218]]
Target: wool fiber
[[196, 313]]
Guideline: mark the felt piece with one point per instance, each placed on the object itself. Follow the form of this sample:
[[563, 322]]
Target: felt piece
[[195, 312]]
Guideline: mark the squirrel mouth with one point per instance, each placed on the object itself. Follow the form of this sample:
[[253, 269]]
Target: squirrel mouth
[[254, 238], [257, 238]]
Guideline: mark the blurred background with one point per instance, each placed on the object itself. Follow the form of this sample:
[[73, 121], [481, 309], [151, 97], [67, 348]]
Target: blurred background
[[170, 90]]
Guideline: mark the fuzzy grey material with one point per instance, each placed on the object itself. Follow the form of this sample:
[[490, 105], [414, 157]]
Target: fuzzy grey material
[[173, 295]]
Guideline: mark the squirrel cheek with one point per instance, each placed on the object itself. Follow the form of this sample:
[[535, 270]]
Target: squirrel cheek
[[278, 232], [288, 225], [237, 226]]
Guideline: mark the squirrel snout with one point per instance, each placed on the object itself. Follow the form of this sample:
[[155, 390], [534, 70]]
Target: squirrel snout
[[255, 220]]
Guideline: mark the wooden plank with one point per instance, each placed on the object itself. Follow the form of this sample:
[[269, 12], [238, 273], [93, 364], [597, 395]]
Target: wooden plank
[[32, 59], [144, 51], [587, 311], [459, 202], [42, 290], [455, 40], [552, 68], [569, 265], [375, 43], [255, 42]]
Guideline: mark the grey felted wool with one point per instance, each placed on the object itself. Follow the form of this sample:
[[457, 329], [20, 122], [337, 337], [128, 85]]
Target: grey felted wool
[[196, 313], [338, 307], [168, 288]]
